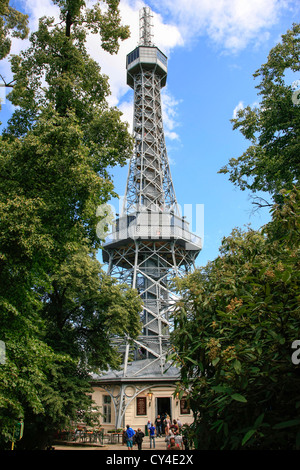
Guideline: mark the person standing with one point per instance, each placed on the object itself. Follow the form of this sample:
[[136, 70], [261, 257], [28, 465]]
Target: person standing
[[139, 436], [148, 426], [167, 423], [174, 427], [163, 417], [152, 430], [124, 439], [129, 437], [185, 438], [168, 437], [173, 445], [178, 440], [158, 424]]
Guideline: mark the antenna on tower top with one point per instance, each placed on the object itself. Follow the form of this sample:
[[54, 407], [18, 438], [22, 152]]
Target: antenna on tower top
[[145, 27]]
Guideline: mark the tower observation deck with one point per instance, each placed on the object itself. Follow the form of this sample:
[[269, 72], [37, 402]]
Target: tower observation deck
[[151, 242]]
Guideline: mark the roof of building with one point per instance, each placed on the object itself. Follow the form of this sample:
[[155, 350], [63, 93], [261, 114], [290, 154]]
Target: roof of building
[[143, 370]]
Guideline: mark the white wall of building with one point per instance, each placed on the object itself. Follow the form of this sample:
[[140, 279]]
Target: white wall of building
[[154, 398]]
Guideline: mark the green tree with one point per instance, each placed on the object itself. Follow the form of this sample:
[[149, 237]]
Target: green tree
[[239, 315], [12, 24], [82, 312], [234, 330], [271, 162], [86, 308], [55, 156]]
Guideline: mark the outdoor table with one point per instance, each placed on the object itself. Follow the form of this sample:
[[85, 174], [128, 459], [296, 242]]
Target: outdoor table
[[112, 437], [116, 437]]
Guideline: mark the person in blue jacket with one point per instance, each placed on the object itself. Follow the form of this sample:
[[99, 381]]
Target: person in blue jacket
[[129, 436], [152, 430]]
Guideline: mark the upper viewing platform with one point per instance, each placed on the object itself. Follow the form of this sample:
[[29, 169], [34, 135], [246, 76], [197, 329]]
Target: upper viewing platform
[[146, 58], [146, 225]]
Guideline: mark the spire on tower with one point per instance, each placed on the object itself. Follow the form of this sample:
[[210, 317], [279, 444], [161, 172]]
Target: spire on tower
[[145, 27]]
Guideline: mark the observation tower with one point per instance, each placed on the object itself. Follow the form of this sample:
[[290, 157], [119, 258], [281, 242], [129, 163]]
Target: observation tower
[[151, 242]]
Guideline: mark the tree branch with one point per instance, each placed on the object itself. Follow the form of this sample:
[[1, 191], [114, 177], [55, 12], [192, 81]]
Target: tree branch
[[69, 23], [7, 84], [260, 202]]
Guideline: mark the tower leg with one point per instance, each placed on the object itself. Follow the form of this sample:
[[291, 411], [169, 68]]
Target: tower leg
[[120, 408]]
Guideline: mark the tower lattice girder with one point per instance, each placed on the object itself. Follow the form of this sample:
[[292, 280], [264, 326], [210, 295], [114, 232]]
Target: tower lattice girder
[[151, 242], [149, 183]]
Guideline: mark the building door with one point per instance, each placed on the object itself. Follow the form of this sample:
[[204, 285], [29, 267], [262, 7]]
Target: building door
[[163, 406]]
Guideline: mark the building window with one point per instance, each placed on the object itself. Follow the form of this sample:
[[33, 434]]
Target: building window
[[162, 57], [106, 409], [141, 406], [133, 55], [184, 407]]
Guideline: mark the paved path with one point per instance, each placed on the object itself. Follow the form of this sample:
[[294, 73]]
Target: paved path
[[160, 444]]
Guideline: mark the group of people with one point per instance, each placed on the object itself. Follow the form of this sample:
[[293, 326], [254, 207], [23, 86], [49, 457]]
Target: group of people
[[162, 426]]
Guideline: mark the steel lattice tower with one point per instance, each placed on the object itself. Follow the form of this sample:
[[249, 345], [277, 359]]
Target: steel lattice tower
[[151, 242]]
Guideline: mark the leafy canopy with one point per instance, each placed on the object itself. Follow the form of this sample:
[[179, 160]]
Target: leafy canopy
[[239, 316], [233, 336], [12, 24], [271, 162], [58, 309]]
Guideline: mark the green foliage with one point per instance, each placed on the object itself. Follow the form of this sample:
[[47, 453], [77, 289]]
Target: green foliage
[[58, 310], [271, 163], [234, 329], [86, 308], [53, 166], [79, 20], [12, 23], [239, 315]]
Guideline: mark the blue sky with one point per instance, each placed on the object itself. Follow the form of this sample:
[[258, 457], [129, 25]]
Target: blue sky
[[213, 49]]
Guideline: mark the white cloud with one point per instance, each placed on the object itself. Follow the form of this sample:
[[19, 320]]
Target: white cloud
[[169, 105], [240, 105], [126, 107], [237, 109], [231, 24], [38, 9], [114, 65], [165, 37]]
